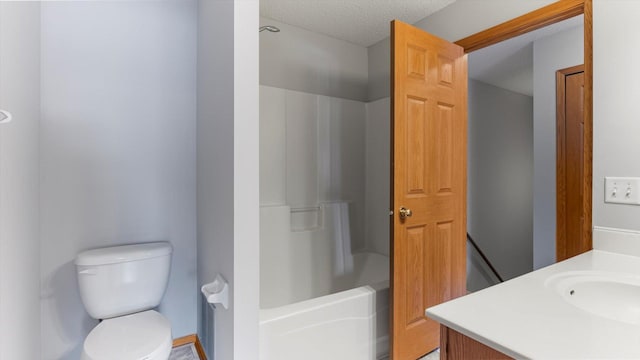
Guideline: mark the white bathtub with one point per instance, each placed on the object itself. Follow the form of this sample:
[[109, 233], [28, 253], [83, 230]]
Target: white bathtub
[[351, 324], [318, 301]]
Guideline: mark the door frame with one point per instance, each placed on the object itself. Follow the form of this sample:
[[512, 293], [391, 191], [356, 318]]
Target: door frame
[[548, 15]]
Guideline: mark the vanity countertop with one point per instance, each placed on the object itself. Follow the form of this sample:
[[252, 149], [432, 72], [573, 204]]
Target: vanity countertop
[[527, 318]]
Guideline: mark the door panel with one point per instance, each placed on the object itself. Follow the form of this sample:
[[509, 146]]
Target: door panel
[[429, 110], [571, 202]]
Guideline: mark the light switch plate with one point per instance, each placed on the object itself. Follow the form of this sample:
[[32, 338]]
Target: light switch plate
[[622, 190]]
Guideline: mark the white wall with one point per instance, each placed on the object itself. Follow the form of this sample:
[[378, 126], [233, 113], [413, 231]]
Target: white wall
[[247, 181], [19, 245], [117, 151], [228, 170], [500, 177], [301, 60], [454, 22], [551, 53], [616, 91]]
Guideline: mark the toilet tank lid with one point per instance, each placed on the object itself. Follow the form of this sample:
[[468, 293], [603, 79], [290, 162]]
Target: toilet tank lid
[[123, 253]]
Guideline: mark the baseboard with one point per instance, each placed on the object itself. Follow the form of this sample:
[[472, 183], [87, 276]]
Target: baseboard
[[191, 339]]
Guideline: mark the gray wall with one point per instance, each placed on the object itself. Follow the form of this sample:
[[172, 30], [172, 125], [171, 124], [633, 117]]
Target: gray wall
[[228, 171], [550, 54], [19, 245], [454, 22], [215, 162], [616, 91], [117, 151], [299, 59], [500, 177]]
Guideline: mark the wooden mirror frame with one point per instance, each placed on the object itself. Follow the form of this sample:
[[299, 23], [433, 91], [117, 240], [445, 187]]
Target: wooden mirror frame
[[551, 14]]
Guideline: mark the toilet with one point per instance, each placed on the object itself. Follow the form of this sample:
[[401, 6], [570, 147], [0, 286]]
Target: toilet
[[121, 286]]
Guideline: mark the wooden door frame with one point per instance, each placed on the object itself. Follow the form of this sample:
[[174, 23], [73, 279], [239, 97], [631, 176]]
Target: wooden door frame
[[548, 15], [561, 166]]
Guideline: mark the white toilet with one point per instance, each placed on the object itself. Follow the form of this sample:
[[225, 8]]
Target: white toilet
[[120, 285]]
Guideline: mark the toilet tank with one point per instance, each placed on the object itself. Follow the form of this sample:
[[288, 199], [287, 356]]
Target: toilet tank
[[120, 280]]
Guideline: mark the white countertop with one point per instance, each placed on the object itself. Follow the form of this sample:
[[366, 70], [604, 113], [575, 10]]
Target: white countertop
[[523, 318]]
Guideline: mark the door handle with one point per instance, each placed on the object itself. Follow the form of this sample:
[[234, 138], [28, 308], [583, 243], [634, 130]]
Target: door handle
[[405, 213]]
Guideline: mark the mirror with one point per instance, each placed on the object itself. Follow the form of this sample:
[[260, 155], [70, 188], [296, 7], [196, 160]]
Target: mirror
[[511, 205]]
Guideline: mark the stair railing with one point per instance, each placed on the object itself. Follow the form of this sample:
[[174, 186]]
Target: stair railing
[[484, 258]]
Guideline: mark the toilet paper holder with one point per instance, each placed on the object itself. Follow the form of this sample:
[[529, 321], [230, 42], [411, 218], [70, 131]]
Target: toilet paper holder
[[217, 292]]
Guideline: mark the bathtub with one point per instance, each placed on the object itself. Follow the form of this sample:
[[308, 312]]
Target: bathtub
[[319, 301]]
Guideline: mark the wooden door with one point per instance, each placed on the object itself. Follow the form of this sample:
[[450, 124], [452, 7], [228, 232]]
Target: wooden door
[[572, 205], [429, 125]]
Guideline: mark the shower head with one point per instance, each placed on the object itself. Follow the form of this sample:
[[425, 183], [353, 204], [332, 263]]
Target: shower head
[[269, 28]]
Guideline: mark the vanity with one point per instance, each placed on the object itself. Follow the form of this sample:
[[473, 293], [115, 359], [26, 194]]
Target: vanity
[[584, 307]]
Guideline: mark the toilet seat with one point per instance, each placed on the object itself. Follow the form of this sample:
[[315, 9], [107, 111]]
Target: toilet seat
[[140, 336]]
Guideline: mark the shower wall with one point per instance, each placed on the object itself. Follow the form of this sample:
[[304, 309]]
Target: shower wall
[[312, 151], [314, 127], [378, 176]]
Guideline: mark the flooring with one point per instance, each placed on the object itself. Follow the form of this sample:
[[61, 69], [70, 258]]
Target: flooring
[[184, 352]]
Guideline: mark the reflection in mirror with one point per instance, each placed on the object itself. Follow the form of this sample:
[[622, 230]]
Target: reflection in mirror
[[511, 204]]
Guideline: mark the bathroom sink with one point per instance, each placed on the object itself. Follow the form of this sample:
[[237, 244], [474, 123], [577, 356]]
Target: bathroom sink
[[614, 296]]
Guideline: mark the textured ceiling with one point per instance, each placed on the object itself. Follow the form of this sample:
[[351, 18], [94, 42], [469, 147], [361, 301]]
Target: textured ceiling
[[362, 22]]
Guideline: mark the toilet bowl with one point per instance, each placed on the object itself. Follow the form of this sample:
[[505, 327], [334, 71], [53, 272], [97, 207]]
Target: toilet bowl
[[140, 336], [120, 286]]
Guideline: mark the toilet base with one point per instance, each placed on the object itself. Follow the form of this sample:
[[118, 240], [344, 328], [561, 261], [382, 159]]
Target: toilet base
[[140, 336]]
